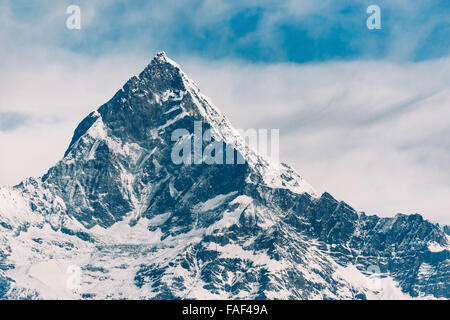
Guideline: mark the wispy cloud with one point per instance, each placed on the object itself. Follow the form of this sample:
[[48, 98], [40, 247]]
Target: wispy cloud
[[12, 120], [372, 133]]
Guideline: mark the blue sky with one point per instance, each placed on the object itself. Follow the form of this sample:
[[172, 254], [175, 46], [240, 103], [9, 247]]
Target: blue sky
[[363, 114], [255, 31]]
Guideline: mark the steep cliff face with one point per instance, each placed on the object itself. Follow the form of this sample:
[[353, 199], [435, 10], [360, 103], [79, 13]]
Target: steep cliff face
[[140, 225]]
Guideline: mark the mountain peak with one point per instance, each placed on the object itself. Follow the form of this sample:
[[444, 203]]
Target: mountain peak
[[162, 99], [162, 58], [121, 208]]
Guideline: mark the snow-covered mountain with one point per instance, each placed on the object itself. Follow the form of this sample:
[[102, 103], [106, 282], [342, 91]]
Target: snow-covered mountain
[[117, 218]]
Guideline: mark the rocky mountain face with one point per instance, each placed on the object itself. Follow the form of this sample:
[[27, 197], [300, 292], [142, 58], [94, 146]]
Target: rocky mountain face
[[118, 218]]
